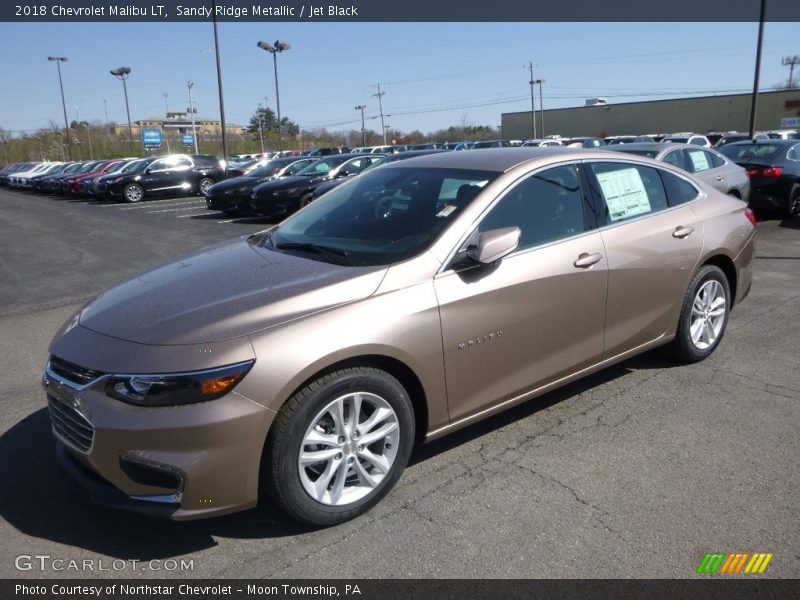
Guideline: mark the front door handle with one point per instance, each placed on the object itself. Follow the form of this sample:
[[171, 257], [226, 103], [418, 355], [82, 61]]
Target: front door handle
[[682, 232], [719, 178], [586, 260]]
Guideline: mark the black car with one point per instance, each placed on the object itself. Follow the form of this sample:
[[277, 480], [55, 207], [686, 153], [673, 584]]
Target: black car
[[176, 174], [232, 196], [52, 182], [379, 160], [284, 196], [774, 170]]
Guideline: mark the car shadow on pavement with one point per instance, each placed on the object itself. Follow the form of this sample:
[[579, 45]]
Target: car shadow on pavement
[[653, 360], [790, 224], [41, 500]]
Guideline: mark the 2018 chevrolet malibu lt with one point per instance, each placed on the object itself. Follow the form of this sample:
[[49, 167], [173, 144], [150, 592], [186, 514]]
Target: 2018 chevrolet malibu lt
[[305, 361]]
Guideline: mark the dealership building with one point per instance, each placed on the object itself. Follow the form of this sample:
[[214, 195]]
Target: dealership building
[[778, 109]]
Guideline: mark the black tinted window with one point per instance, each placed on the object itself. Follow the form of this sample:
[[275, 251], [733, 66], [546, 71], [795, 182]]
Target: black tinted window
[[679, 191], [547, 206], [675, 158]]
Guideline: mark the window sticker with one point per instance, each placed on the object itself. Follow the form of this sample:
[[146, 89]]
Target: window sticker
[[699, 160], [446, 211], [625, 194]]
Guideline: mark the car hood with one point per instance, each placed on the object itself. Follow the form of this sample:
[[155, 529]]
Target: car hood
[[235, 182], [224, 292], [287, 183]]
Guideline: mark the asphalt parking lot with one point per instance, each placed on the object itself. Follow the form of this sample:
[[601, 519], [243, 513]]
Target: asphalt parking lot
[[637, 471]]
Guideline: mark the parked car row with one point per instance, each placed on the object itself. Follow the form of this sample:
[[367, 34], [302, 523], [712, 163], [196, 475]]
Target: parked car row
[[763, 171]]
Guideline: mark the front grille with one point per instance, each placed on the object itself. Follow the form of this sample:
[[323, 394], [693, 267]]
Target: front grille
[[70, 426], [72, 372]]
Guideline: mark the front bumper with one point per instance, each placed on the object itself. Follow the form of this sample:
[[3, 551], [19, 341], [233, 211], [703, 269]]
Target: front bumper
[[180, 462], [273, 205], [228, 202]]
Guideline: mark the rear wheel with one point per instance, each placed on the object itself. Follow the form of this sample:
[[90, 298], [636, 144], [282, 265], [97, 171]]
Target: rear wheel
[[794, 202], [338, 446], [204, 185], [704, 315], [133, 192]]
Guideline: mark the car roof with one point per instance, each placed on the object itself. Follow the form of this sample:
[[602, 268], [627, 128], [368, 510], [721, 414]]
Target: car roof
[[493, 159]]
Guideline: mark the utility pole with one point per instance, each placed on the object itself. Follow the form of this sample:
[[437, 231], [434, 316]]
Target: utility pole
[[105, 109], [122, 73], [361, 107], [192, 111], [166, 103], [541, 105], [791, 62], [379, 95], [754, 101], [532, 82], [219, 85]]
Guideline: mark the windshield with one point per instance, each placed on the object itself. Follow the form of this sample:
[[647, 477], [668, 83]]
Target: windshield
[[116, 167], [267, 169], [320, 167], [382, 217], [677, 140], [136, 166], [739, 152], [89, 167]]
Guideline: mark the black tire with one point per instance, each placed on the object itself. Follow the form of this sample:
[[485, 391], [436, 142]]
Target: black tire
[[133, 192], [305, 200], [683, 346], [280, 471], [793, 208], [203, 185]]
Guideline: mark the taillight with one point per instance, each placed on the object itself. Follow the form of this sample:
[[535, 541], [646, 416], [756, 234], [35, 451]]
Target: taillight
[[765, 172], [751, 216]]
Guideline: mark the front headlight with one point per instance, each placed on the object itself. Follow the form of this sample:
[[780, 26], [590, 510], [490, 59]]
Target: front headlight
[[88, 180], [243, 190], [289, 193], [114, 180], [172, 389]]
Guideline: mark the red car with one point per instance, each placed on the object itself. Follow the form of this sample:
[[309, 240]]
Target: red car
[[81, 182]]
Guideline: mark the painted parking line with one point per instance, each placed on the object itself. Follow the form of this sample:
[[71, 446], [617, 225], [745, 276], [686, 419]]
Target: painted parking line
[[145, 206], [150, 212], [151, 202], [184, 216]]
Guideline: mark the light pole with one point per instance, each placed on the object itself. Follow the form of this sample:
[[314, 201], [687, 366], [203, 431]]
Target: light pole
[[274, 49], [192, 110], [58, 60], [361, 107], [122, 74]]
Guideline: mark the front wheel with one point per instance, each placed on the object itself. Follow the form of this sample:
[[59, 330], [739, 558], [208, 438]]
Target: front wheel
[[704, 315], [338, 446], [133, 192]]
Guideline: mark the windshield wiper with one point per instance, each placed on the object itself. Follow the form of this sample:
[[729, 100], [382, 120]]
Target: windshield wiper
[[314, 248]]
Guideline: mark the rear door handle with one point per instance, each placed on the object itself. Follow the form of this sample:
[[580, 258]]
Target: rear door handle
[[682, 232], [719, 178], [586, 260]]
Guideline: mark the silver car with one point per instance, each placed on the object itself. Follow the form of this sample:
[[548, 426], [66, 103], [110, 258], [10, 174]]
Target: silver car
[[709, 166]]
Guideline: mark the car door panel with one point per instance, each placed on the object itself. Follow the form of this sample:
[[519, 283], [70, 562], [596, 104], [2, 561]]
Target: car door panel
[[530, 320]]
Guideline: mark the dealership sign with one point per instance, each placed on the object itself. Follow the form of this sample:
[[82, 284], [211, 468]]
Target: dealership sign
[[151, 138], [188, 139], [790, 122]]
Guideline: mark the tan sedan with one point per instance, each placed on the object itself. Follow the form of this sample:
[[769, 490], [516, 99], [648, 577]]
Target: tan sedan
[[306, 361]]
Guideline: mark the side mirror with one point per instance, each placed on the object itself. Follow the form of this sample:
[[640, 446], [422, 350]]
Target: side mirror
[[494, 244]]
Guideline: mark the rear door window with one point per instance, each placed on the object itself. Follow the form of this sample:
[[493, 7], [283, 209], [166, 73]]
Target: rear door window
[[628, 191]]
